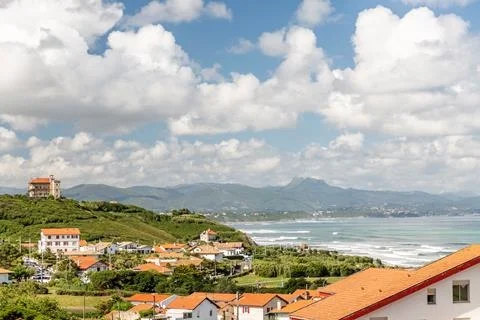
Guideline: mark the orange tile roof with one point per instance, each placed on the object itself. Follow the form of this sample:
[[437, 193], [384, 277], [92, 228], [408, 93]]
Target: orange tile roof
[[288, 297], [189, 302], [84, 262], [192, 261], [143, 307], [228, 245], [170, 255], [216, 297], [369, 290], [40, 180], [83, 243], [148, 297], [152, 267], [210, 231], [257, 299], [294, 306], [206, 249], [4, 271], [60, 231]]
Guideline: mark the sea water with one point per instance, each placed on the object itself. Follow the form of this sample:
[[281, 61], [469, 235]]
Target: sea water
[[396, 241]]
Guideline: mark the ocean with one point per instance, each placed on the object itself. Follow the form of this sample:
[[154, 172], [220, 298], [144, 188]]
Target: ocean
[[396, 241]]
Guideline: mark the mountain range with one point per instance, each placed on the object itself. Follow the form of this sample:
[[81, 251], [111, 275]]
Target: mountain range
[[301, 194]]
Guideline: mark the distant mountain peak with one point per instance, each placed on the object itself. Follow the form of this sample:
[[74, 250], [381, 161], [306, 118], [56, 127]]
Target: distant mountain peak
[[305, 181]]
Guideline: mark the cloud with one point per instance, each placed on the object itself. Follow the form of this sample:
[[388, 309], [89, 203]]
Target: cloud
[[311, 13], [177, 11], [416, 75], [8, 139], [439, 3], [242, 46]]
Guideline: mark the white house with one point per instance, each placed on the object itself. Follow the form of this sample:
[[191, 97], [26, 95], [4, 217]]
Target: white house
[[208, 235], [256, 306], [229, 249], [285, 312], [208, 252], [88, 264], [134, 247], [5, 276], [100, 247], [447, 289], [59, 240], [192, 307]]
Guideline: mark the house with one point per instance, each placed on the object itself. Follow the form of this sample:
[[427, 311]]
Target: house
[[171, 247], [44, 187], [222, 300], [160, 300], [133, 247], [163, 269], [165, 257], [5, 276], [140, 309], [254, 306], [190, 261], [192, 307], [59, 240], [208, 236], [448, 288], [230, 249], [285, 312], [88, 264], [100, 247], [208, 252]]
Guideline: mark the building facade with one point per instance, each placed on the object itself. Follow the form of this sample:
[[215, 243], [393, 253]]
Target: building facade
[[44, 187], [59, 240], [5, 276]]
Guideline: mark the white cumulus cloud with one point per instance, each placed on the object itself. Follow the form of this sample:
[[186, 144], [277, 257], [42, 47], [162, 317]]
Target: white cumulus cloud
[[313, 12]]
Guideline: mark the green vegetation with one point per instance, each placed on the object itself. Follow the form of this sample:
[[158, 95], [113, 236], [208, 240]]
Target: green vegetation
[[22, 218], [295, 263]]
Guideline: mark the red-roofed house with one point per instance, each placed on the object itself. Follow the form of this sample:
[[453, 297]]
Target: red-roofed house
[[59, 240], [88, 264], [447, 289], [208, 235], [285, 312], [230, 249], [163, 269], [208, 252], [253, 306], [192, 307], [44, 187]]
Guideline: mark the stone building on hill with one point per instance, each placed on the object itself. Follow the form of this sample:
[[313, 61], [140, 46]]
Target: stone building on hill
[[44, 187]]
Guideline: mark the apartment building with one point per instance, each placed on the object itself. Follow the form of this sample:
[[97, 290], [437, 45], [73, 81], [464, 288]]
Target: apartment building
[[447, 289], [59, 240], [44, 187]]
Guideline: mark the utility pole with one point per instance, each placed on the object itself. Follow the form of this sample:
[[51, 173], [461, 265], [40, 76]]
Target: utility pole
[[84, 298]]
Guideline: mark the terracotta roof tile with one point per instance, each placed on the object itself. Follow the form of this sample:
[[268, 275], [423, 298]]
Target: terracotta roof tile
[[188, 303], [152, 267], [216, 297], [84, 262], [294, 306], [61, 231], [40, 180], [257, 299], [4, 271], [143, 307], [371, 289], [206, 249], [228, 245], [148, 298]]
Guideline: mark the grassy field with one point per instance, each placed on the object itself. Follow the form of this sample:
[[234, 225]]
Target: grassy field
[[75, 303], [252, 280]]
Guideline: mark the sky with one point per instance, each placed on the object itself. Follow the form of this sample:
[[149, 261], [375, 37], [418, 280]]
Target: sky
[[371, 94]]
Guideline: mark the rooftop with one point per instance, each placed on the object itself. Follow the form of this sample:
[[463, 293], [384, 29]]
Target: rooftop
[[294, 306], [60, 231], [84, 263], [152, 267], [216, 297], [188, 303], [148, 297], [369, 290], [257, 299]]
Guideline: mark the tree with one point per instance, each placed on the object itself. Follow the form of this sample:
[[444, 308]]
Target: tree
[[22, 273], [296, 283], [9, 255]]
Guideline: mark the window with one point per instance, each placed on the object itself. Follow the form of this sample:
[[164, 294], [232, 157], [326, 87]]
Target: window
[[432, 296], [187, 315], [211, 313], [245, 309], [461, 291]]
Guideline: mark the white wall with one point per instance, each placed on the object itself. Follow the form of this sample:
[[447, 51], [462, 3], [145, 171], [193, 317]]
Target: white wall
[[202, 312], [64, 243], [4, 278], [415, 307], [259, 313]]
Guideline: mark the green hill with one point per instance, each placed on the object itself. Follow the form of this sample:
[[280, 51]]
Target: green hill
[[21, 217]]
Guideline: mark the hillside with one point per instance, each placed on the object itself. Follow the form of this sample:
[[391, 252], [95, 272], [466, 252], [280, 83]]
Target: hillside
[[21, 217]]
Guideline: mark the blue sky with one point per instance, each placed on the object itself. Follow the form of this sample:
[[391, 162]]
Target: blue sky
[[369, 94]]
